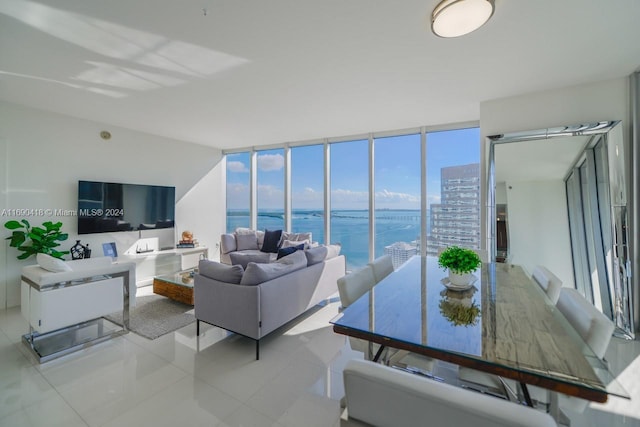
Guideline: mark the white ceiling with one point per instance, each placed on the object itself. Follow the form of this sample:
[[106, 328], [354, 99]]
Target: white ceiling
[[537, 160], [256, 72]]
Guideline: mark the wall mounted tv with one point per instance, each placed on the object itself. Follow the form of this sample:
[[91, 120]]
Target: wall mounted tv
[[105, 207]]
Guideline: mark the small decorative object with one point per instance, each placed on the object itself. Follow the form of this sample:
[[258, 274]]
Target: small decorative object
[[461, 263], [459, 307], [187, 240], [80, 251], [36, 240], [110, 250]]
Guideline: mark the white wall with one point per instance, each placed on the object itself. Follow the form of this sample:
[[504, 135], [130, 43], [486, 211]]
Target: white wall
[[537, 234], [606, 100], [46, 155]]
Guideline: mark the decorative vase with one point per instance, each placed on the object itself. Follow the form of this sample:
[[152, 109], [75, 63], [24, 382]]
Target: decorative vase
[[460, 279]]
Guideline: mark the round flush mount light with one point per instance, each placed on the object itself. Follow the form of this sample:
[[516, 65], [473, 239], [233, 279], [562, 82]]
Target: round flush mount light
[[455, 18]]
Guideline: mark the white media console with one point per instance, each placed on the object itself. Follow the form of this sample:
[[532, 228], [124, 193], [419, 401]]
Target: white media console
[[162, 262]]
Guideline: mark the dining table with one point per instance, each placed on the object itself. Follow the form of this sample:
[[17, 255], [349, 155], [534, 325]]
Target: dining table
[[503, 324]]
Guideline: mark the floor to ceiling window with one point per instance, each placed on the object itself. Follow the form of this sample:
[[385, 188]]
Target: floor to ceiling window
[[397, 197], [453, 189], [307, 191], [350, 200], [395, 166], [270, 191], [238, 196]]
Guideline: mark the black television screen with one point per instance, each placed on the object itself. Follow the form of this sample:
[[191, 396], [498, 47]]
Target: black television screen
[[105, 207]]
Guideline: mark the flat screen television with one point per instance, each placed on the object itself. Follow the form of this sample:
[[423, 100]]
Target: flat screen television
[[105, 207]]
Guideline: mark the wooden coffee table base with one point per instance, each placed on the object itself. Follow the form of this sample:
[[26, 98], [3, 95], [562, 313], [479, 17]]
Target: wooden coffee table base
[[183, 294]]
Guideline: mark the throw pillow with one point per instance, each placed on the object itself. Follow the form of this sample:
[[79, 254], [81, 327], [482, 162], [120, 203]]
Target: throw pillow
[[221, 272], [297, 237], [246, 241], [289, 243], [52, 264], [244, 230], [239, 258], [228, 243], [271, 241], [321, 253], [283, 252], [260, 273]]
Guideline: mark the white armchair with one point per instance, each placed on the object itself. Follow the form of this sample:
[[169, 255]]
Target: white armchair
[[76, 292]]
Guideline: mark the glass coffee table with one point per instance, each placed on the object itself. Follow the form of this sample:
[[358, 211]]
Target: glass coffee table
[[177, 286]]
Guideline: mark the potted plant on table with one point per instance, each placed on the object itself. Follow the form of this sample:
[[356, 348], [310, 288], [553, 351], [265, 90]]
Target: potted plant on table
[[461, 263], [36, 240]]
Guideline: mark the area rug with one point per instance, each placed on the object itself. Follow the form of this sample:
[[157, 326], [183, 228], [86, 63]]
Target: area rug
[[155, 315]]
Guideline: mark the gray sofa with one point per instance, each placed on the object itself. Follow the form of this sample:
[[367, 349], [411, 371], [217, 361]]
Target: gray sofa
[[245, 245], [257, 301]]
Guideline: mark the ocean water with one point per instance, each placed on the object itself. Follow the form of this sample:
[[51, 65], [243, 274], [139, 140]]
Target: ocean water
[[350, 228]]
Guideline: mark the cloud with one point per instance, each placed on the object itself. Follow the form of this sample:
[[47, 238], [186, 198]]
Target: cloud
[[270, 162], [270, 197], [235, 166], [386, 196], [237, 196]]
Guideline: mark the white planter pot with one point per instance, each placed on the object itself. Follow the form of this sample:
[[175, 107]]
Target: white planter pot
[[460, 279]]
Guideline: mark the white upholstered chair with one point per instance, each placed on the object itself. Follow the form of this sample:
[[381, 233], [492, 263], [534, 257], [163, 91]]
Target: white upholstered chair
[[355, 284], [382, 267], [381, 396], [594, 328], [549, 282]]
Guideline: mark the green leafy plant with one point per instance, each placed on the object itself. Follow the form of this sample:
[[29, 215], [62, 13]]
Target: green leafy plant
[[459, 260], [459, 314], [36, 240]]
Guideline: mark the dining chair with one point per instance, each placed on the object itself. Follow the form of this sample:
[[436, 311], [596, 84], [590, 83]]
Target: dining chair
[[382, 267], [595, 330], [378, 395], [355, 284], [549, 282]]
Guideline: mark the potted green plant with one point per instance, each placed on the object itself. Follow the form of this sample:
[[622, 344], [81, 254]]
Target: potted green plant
[[461, 263], [36, 240]]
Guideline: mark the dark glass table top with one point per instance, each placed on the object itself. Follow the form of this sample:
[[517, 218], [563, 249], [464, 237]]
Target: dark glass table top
[[504, 324]]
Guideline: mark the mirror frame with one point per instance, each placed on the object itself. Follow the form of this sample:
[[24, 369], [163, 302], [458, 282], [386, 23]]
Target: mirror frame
[[620, 285]]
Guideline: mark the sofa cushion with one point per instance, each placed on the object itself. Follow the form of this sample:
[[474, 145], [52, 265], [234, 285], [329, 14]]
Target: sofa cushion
[[228, 243], [244, 230], [283, 252], [289, 243], [260, 273], [220, 272], [321, 253], [296, 237], [271, 241], [52, 264], [246, 241], [242, 258]]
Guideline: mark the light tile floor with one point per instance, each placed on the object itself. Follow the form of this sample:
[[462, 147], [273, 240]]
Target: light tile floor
[[179, 380]]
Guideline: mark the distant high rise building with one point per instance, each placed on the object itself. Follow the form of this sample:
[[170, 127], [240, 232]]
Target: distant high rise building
[[400, 252], [456, 220]]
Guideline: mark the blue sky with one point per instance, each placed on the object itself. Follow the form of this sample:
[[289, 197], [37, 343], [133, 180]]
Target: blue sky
[[397, 172]]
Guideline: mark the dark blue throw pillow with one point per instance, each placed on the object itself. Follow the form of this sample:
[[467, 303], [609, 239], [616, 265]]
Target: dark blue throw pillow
[[288, 251], [271, 241]]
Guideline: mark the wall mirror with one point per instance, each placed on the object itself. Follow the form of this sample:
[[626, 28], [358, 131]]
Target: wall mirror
[[557, 198]]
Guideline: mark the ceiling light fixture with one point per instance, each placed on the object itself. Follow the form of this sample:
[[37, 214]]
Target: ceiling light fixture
[[454, 18]]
